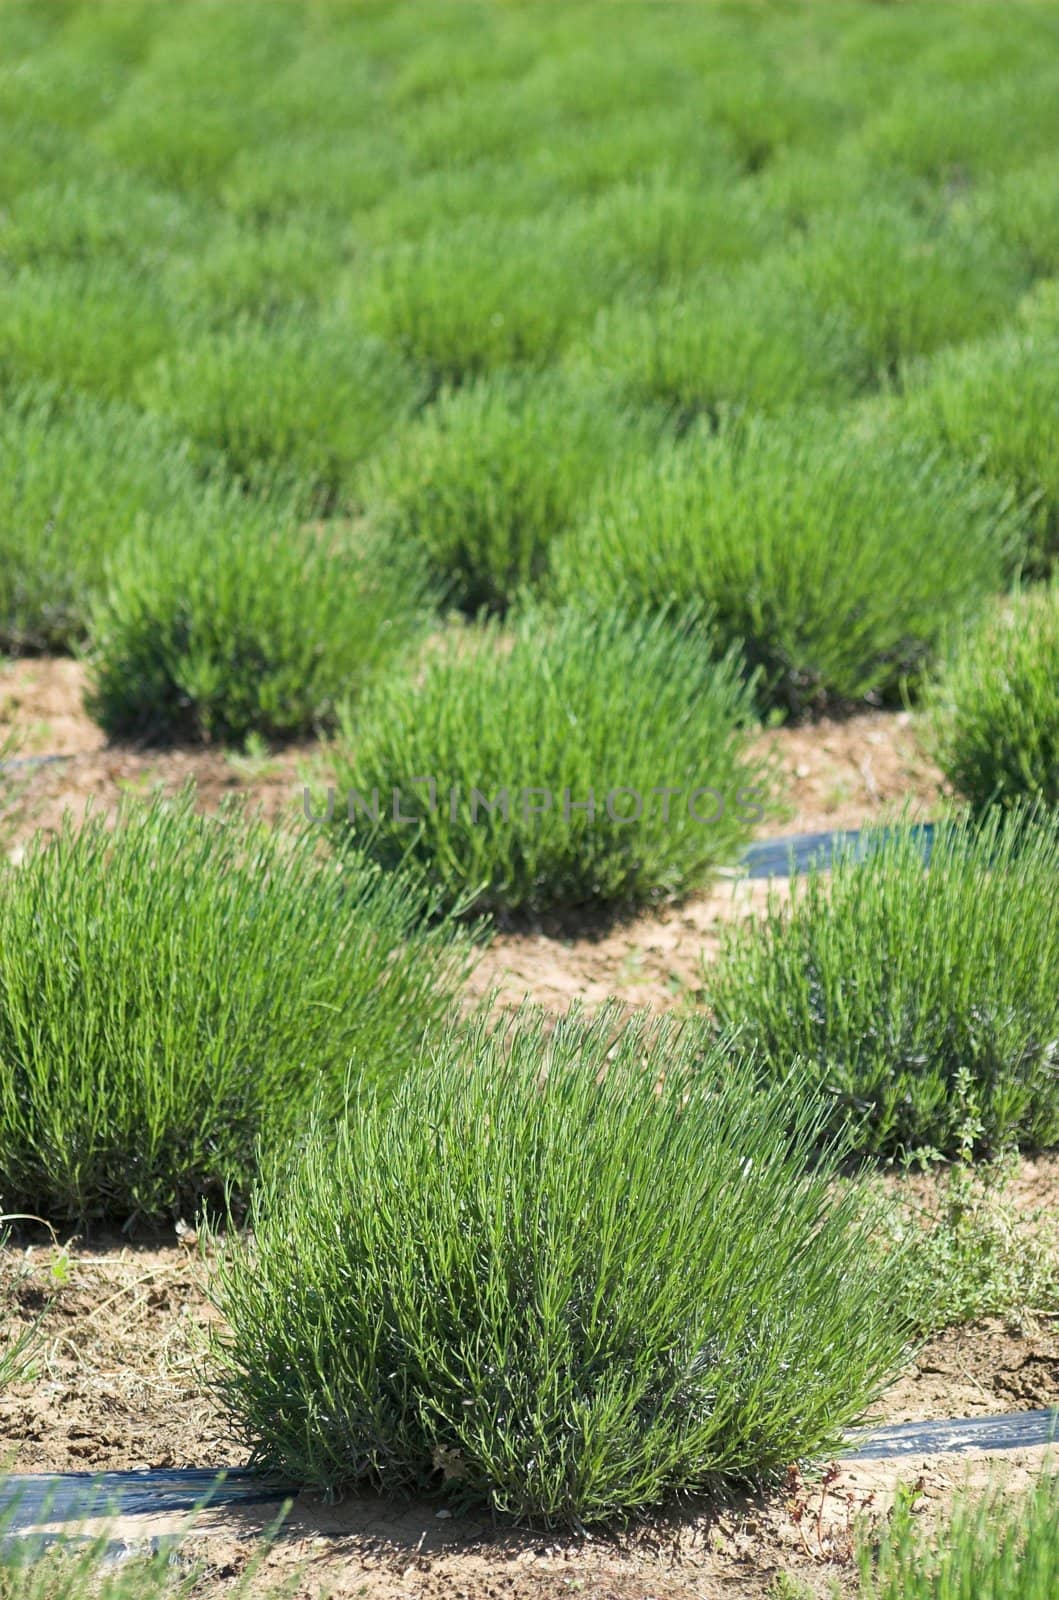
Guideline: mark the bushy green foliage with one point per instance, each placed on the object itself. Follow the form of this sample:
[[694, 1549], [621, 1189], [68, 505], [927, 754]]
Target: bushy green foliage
[[989, 1546], [112, 215], [910, 284], [86, 324], [660, 231], [77, 477], [305, 394], [911, 992], [835, 560], [997, 404], [425, 202], [952, 132], [673, 143], [491, 474], [266, 273], [995, 710], [79, 69], [244, 620], [177, 121], [753, 337], [1020, 207], [33, 153], [489, 121], [552, 748], [336, 172], [28, 28], [807, 186], [486, 293], [174, 990], [487, 1290]]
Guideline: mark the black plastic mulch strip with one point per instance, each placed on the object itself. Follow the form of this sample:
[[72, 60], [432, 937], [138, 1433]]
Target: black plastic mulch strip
[[35, 1498], [784, 858], [1017, 1431], [19, 763]]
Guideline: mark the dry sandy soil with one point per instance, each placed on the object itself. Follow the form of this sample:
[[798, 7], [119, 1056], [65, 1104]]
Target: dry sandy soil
[[122, 1325]]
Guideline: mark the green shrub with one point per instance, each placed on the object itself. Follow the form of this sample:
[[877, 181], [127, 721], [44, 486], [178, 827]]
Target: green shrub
[[426, 202], [952, 132], [989, 1546], [33, 153], [469, 48], [264, 272], [80, 70], [521, 731], [765, 109], [174, 990], [178, 121], [79, 477], [1038, 312], [584, 79], [27, 28], [335, 173], [489, 476], [85, 324], [913, 992], [660, 231], [909, 284], [109, 215], [304, 394], [486, 293], [806, 186], [834, 561], [995, 711], [996, 404], [1020, 207], [487, 1290], [491, 121], [750, 337], [244, 620], [673, 143]]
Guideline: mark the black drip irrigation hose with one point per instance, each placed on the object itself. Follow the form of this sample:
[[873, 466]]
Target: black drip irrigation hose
[[22, 763], [36, 1498], [785, 858], [28, 1501], [1018, 1430]]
